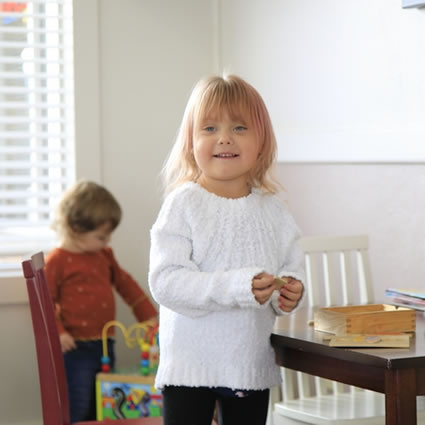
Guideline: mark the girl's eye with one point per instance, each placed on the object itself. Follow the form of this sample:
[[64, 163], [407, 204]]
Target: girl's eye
[[241, 128], [209, 128]]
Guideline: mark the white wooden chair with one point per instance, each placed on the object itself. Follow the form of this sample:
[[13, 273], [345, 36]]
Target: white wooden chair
[[337, 273]]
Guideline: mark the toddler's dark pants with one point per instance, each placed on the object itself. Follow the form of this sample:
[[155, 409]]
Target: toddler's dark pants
[[195, 406], [82, 365]]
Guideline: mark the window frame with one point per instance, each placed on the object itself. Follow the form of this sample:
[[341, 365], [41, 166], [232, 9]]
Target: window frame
[[88, 152]]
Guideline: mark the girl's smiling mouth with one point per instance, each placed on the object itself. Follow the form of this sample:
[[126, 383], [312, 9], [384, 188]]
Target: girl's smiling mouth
[[225, 155]]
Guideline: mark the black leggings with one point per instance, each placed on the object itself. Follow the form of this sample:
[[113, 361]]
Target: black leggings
[[195, 406]]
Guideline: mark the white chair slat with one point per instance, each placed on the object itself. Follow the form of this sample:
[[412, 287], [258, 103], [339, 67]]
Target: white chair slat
[[310, 277], [366, 291], [326, 279], [345, 277]]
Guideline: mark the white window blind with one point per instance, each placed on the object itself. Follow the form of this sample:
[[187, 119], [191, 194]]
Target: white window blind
[[36, 122]]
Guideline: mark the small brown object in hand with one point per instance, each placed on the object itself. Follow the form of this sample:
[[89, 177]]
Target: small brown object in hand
[[280, 281]]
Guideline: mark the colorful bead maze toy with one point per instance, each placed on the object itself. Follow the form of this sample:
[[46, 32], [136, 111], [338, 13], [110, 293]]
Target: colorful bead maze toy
[[122, 395]]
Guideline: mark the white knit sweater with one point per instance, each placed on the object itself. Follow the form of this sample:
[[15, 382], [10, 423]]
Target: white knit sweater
[[205, 251]]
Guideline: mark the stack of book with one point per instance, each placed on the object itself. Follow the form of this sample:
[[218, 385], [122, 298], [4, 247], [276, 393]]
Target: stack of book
[[412, 298]]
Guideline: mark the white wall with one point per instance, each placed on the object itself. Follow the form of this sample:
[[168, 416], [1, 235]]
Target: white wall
[[343, 81], [19, 395], [384, 201]]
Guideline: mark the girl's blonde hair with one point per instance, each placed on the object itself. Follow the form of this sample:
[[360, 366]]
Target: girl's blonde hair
[[85, 207], [216, 94]]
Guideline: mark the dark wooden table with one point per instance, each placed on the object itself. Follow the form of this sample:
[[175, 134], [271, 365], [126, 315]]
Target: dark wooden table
[[399, 373]]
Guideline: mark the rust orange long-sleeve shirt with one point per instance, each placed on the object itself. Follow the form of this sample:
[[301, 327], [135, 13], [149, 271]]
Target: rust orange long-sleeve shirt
[[82, 286]]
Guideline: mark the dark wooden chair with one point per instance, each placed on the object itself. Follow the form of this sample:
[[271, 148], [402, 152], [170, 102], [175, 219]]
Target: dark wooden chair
[[54, 393]]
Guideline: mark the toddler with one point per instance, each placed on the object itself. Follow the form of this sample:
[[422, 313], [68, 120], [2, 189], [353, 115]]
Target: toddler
[[82, 273]]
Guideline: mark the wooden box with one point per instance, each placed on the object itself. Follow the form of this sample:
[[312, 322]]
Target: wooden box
[[365, 319]]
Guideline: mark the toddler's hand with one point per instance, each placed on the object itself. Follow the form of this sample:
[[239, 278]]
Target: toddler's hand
[[263, 286], [67, 342], [290, 294]]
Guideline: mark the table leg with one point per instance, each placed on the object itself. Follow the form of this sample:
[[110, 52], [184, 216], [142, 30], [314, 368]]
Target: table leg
[[400, 397]]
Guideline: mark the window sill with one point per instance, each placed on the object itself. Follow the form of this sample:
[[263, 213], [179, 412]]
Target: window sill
[[17, 244]]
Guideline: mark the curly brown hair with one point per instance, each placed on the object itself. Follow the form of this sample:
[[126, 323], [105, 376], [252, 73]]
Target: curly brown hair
[[85, 207]]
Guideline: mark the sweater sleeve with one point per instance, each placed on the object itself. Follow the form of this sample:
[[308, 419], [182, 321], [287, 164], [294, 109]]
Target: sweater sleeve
[[176, 281], [53, 270], [130, 291], [292, 264]]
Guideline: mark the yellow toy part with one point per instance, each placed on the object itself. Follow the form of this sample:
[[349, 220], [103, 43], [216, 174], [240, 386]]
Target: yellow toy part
[[143, 335]]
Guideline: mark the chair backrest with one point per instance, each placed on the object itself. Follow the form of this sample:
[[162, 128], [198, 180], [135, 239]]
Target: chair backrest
[[54, 396], [333, 265], [337, 273]]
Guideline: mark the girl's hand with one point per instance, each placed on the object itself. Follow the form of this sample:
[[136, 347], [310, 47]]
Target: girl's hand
[[67, 342], [263, 286], [290, 294]]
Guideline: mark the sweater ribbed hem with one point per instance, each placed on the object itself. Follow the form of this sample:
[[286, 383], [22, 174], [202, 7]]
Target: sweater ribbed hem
[[246, 379]]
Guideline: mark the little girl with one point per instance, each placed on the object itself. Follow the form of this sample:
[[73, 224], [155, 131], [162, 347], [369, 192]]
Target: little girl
[[82, 273], [221, 238]]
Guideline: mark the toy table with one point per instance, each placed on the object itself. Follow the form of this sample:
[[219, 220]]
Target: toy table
[[126, 395]]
